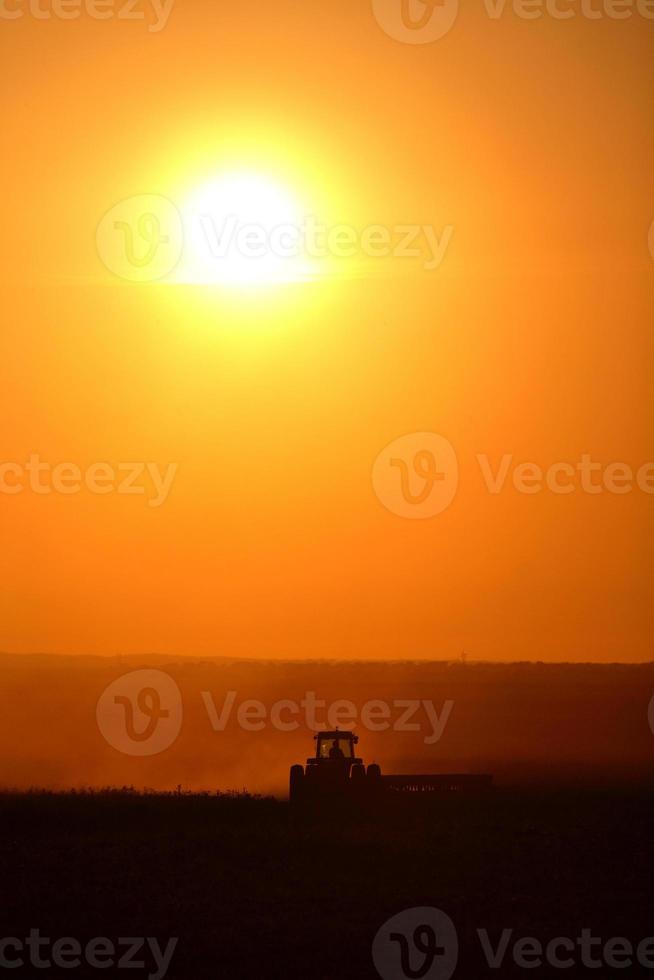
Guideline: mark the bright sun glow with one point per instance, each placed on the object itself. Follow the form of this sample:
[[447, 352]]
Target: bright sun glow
[[243, 230]]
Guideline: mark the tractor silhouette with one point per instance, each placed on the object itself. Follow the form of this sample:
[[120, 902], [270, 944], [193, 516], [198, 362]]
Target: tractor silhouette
[[336, 773], [333, 771]]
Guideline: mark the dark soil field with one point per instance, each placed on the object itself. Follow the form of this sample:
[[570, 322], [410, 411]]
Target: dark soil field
[[249, 891]]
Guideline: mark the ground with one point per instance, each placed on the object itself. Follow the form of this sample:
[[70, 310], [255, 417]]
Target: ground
[[252, 893]]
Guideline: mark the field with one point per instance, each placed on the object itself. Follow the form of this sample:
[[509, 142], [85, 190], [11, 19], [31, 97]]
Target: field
[[250, 892]]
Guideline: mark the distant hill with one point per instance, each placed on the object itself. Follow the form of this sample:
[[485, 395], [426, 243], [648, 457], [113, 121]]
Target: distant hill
[[524, 722]]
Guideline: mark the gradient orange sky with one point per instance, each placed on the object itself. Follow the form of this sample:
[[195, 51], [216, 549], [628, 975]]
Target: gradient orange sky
[[532, 139]]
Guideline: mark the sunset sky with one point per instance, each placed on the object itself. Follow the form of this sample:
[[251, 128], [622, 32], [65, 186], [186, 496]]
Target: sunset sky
[[525, 145]]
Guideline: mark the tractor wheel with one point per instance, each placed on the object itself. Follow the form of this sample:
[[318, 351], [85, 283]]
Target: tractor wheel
[[374, 771], [358, 773], [297, 782]]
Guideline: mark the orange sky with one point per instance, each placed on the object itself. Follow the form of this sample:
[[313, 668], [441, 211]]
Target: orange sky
[[531, 139]]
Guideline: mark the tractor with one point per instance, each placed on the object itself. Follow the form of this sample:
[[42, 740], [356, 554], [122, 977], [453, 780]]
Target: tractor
[[335, 773]]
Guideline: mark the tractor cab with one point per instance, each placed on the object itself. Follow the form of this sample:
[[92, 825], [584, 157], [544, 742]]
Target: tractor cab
[[335, 748]]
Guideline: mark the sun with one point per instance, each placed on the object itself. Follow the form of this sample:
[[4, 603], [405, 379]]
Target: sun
[[243, 230]]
